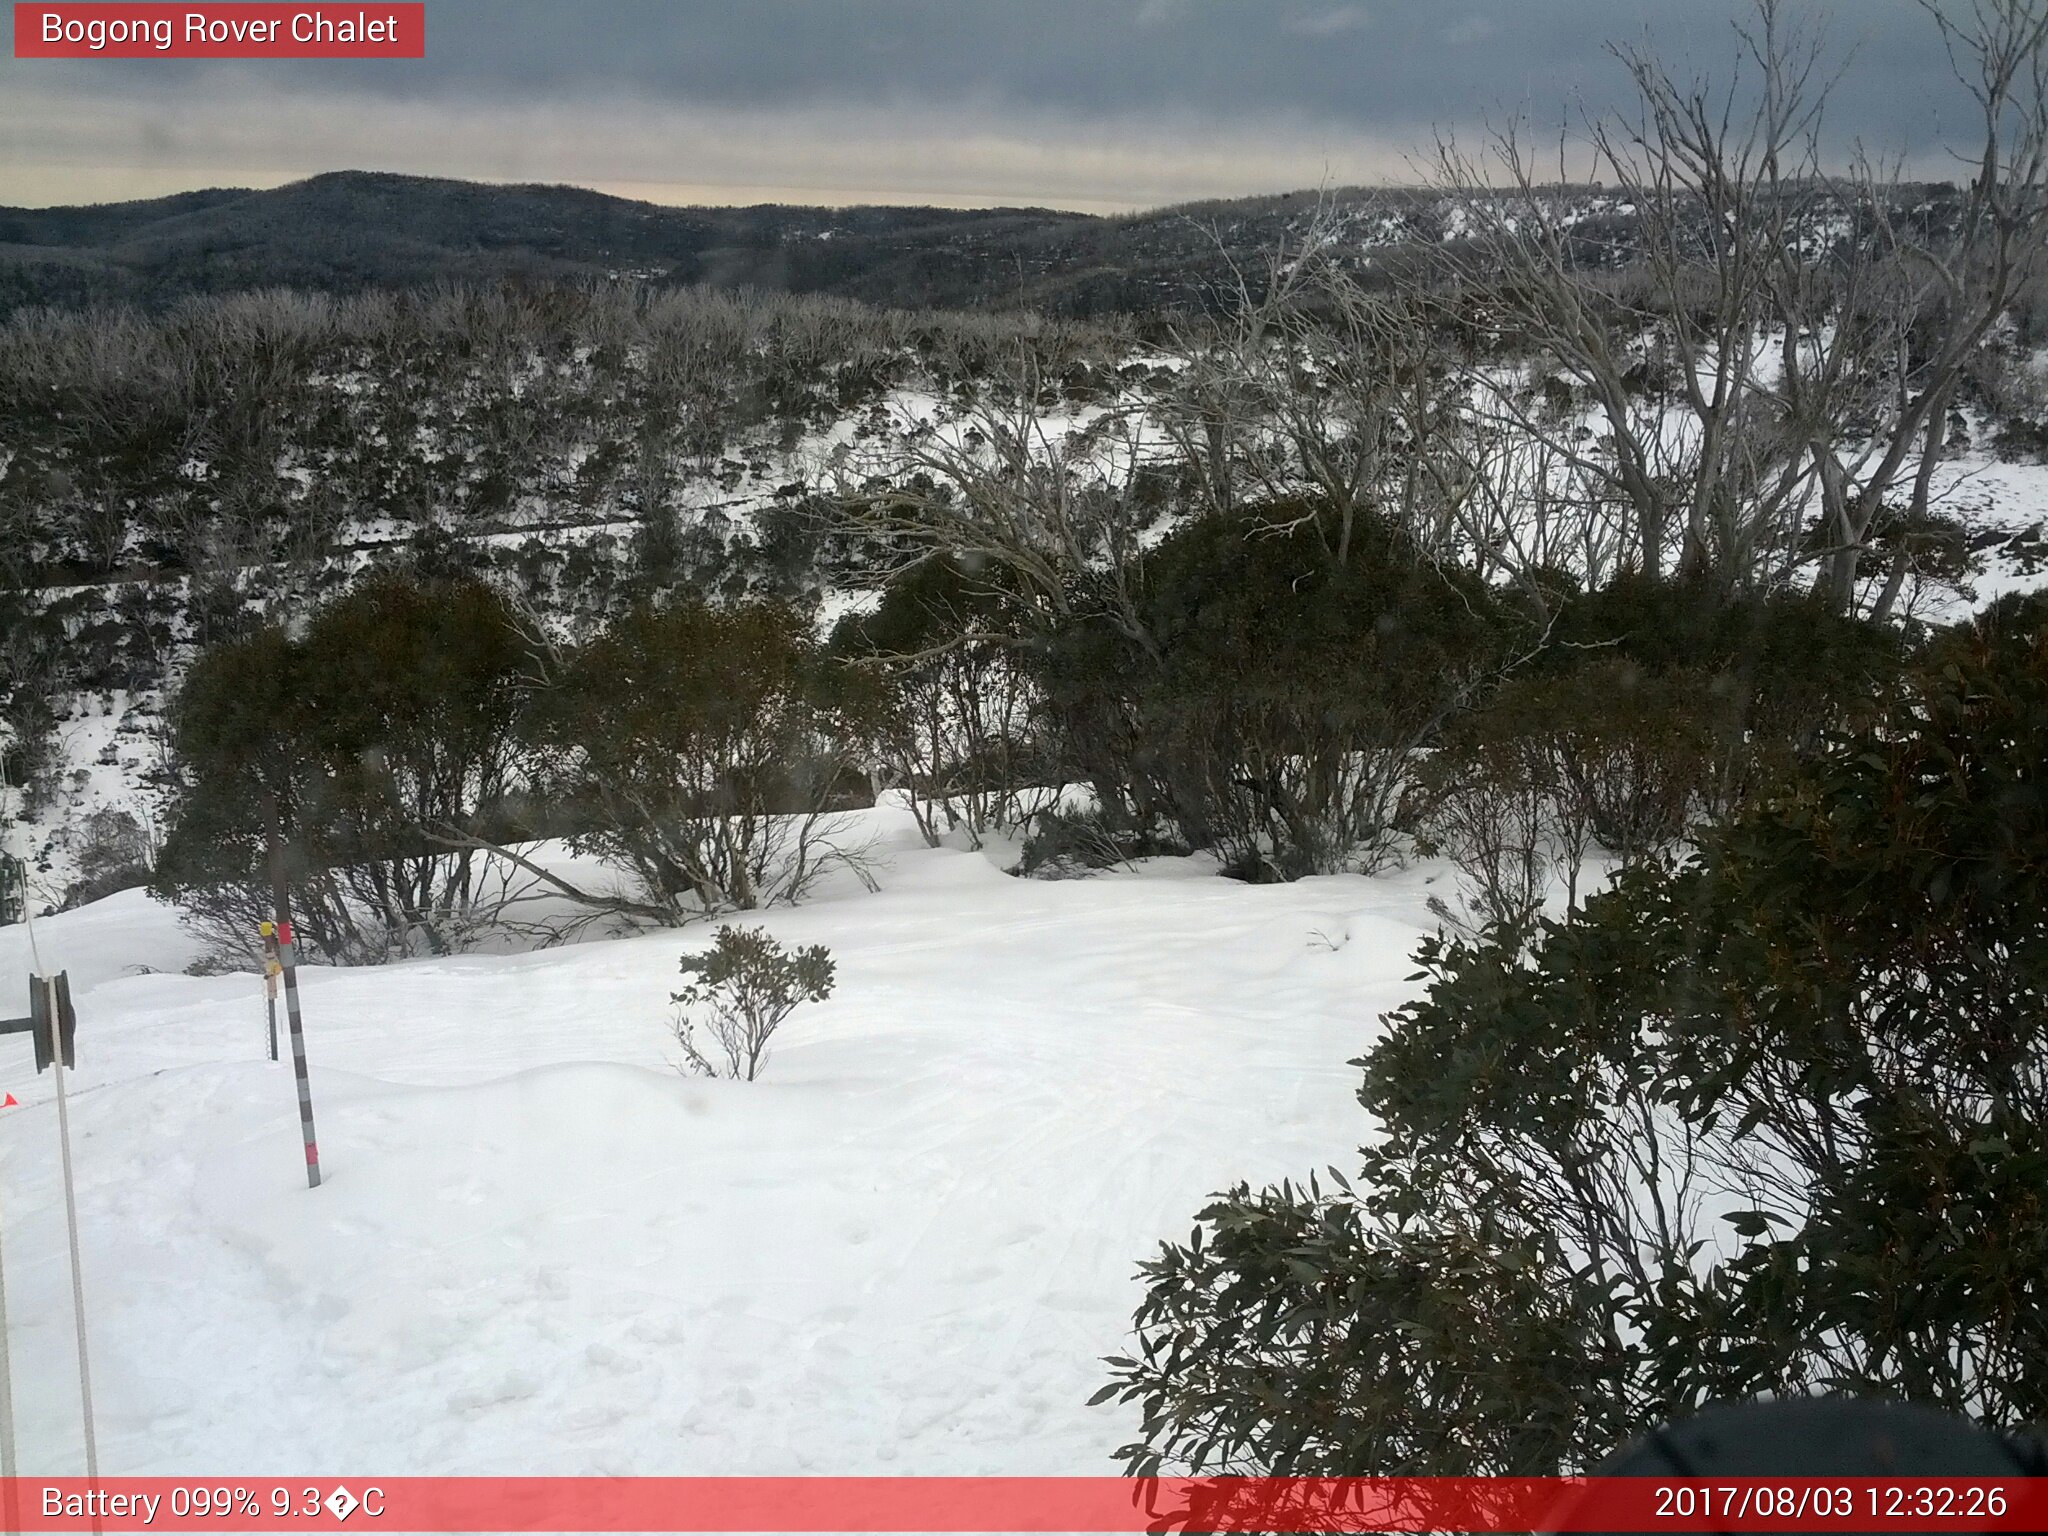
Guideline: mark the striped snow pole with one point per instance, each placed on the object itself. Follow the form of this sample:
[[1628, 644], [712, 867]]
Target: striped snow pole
[[287, 955], [289, 962]]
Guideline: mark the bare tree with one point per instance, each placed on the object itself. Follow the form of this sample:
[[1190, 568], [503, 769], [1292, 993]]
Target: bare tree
[[1957, 280], [1759, 353], [1313, 390], [1063, 512], [955, 734]]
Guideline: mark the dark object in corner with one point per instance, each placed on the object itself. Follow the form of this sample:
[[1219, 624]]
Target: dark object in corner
[[1827, 1437]]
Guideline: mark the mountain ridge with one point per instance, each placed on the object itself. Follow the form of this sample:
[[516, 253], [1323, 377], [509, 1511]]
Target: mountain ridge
[[350, 230]]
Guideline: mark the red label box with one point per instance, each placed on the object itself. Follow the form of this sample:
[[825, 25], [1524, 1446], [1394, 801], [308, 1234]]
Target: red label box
[[371, 30], [1108, 1506]]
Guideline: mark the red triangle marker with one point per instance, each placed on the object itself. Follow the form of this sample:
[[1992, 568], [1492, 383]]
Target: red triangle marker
[[10, 1102]]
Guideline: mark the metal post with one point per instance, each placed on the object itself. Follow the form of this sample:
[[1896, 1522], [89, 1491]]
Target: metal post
[[52, 1026], [11, 1512], [12, 882], [54, 1008], [288, 959]]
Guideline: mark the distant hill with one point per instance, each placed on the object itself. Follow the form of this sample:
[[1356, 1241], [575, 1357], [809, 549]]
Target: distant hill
[[354, 229], [351, 230]]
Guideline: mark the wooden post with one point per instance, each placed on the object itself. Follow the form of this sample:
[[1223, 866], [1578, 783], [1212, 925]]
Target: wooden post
[[288, 960]]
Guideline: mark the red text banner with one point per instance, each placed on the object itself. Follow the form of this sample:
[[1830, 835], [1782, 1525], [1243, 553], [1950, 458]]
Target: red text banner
[[214, 31], [1025, 1504]]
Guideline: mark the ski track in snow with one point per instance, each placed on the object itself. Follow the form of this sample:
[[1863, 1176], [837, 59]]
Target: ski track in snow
[[541, 1249]]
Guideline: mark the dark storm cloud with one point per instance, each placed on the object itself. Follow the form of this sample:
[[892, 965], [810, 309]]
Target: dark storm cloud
[[1091, 102], [1373, 64]]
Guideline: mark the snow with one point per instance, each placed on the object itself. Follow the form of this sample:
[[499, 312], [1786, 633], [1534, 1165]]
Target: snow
[[541, 1249], [1992, 498], [105, 746], [838, 602]]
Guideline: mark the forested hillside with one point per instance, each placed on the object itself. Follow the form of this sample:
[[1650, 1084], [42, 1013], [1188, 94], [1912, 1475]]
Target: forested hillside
[[354, 230], [349, 231]]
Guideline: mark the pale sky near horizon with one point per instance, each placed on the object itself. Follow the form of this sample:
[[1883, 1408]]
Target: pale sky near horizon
[[1100, 105]]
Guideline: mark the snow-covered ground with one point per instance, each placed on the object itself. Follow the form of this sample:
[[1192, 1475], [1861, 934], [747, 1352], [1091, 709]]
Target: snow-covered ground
[[540, 1248]]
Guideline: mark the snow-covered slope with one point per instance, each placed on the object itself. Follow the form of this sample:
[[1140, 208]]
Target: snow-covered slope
[[541, 1249]]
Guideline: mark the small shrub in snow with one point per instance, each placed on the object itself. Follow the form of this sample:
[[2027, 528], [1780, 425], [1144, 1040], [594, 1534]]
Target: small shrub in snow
[[746, 984], [1068, 844], [1494, 811]]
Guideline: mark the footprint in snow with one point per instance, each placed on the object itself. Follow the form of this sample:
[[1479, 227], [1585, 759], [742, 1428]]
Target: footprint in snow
[[513, 1387]]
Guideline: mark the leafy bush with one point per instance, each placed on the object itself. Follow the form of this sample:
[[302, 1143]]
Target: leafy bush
[[953, 724], [1295, 690], [378, 742], [1772, 1121], [1634, 756], [1276, 714], [1766, 674], [1494, 803], [749, 984], [704, 749], [1066, 842], [1653, 706]]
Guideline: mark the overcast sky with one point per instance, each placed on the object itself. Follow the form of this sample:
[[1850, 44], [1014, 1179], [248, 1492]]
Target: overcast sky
[[1101, 105]]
